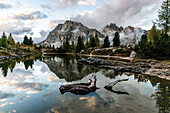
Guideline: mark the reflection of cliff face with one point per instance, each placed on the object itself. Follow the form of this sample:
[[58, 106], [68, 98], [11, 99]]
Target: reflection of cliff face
[[69, 70]]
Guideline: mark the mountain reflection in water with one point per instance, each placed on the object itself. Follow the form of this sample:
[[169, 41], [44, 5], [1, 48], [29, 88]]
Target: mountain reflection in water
[[32, 85]]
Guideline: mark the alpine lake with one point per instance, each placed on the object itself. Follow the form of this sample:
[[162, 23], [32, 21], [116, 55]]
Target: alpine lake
[[32, 86]]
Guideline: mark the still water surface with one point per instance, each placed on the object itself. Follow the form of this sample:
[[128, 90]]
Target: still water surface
[[32, 86]]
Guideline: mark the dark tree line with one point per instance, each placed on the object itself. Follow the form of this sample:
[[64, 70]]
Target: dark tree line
[[91, 42], [157, 43], [28, 41], [5, 42]]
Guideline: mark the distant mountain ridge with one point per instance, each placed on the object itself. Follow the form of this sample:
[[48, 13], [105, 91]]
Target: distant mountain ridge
[[72, 29], [128, 35]]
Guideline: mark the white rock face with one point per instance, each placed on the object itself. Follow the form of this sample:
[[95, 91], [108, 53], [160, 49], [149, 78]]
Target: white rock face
[[72, 30], [129, 36]]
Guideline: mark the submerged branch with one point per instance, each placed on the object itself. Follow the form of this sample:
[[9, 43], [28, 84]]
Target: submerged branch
[[110, 85]]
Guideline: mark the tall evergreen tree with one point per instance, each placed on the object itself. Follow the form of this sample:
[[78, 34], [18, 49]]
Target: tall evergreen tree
[[9, 37], [64, 46], [106, 42], [164, 16], [153, 32], [87, 46], [12, 42], [97, 40], [4, 42], [90, 41], [53, 47], [26, 40], [67, 46], [72, 46], [80, 45], [93, 43], [141, 47], [116, 40], [30, 41]]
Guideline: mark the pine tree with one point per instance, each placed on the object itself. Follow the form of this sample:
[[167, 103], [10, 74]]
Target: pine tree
[[116, 40], [12, 42], [53, 47], [90, 41], [67, 46], [26, 41], [4, 42], [152, 33], [72, 46], [30, 41], [142, 46], [106, 42], [97, 41], [9, 37], [164, 16], [93, 43], [80, 45], [64, 46], [87, 46], [50, 46]]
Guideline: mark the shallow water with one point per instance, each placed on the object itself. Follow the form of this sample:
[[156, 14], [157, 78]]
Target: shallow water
[[32, 86]]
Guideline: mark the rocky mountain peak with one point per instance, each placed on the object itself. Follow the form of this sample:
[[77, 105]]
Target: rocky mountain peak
[[114, 27], [70, 29], [129, 36]]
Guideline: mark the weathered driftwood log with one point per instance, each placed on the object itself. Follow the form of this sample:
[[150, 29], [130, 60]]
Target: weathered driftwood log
[[80, 88], [117, 92], [110, 85]]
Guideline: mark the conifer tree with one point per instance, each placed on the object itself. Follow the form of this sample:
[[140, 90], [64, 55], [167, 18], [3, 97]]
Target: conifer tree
[[152, 33], [53, 47], [87, 44], [4, 42], [26, 40], [116, 40], [97, 41], [93, 43], [90, 41], [30, 41], [106, 42], [80, 45], [9, 37], [164, 16], [67, 45], [12, 42], [72, 46]]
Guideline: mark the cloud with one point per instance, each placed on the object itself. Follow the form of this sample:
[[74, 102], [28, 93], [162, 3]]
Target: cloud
[[72, 3], [5, 6], [23, 30], [88, 2], [122, 12], [15, 28], [32, 16], [46, 6], [67, 3]]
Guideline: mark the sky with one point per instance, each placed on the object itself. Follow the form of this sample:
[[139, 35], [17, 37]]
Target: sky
[[36, 18]]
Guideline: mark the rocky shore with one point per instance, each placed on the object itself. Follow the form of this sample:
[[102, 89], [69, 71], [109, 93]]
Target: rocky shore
[[12, 53], [140, 66]]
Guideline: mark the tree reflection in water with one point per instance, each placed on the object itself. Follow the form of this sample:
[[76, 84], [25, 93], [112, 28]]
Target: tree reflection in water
[[28, 63]]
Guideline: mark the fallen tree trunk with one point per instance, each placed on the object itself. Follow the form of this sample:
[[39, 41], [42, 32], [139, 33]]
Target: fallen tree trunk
[[80, 88], [110, 85], [90, 86]]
